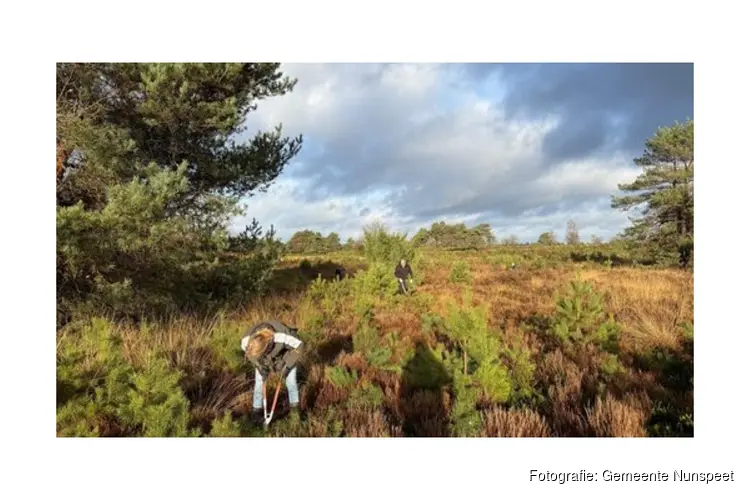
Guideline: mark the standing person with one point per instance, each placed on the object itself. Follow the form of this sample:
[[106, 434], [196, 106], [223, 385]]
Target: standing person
[[340, 272], [271, 346], [402, 272]]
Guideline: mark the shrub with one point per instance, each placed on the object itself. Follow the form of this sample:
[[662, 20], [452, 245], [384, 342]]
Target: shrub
[[376, 282], [460, 273], [465, 418], [580, 318], [522, 368], [382, 246], [611, 365], [101, 389], [341, 377], [366, 396], [494, 381], [225, 427], [156, 403], [425, 369], [613, 418], [477, 369], [366, 338]]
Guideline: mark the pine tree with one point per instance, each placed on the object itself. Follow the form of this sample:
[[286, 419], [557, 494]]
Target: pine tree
[[149, 173], [663, 193]]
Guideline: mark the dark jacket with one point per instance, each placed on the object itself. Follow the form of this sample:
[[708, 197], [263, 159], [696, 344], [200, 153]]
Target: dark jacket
[[403, 272], [283, 352]]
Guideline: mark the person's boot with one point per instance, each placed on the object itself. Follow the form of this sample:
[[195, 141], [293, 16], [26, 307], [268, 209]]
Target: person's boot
[[256, 417]]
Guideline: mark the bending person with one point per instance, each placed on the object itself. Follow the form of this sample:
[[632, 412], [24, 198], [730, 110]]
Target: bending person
[[271, 346]]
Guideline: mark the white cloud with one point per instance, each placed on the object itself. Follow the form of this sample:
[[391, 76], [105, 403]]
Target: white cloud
[[417, 143]]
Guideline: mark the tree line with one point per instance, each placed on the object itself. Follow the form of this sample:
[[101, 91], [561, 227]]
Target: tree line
[[439, 235], [659, 200]]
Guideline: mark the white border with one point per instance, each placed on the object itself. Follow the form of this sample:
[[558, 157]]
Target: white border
[[35, 37]]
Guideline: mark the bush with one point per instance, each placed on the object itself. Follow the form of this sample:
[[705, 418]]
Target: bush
[[341, 377], [514, 423], [580, 318], [365, 396], [476, 366], [460, 273], [465, 418], [382, 246], [366, 338], [103, 393], [133, 257], [225, 427], [522, 369]]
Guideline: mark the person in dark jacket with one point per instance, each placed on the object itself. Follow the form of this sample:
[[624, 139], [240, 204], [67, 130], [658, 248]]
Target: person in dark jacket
[[271, 346], [402, 273]]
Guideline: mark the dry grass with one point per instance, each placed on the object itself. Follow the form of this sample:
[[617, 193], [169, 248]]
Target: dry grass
[[499, 422], [610, 417], [649, 305]]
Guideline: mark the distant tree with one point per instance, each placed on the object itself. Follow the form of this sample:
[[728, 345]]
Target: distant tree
[[571, 235], [547, 238], [332, 242], [455, 236], [510, 240], [663, 193], [421, 237], [595, 240], [305, 241], [485, 233]]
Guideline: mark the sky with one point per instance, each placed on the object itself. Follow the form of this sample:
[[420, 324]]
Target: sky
[[523, 147]]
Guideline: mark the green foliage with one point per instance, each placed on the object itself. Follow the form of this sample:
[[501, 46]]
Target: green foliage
[[328, 296], [381, 246], [581, 319], [225, 427], [547, 238], [467, 327], [687, 331], [522, 369], [455, 236], [311, 242], [341, 377], [99, 386], [611, 365], [224, 342], [366, 338], [477, 367], [376, 281], [149, 176], [494, 380], [460, 272], [156, 403], [388, 353], [663, 193], [327, 424], [466, 420], [425, 369], [366, 395], [668, 421]]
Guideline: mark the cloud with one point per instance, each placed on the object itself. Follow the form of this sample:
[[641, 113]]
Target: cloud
[[524, 147]]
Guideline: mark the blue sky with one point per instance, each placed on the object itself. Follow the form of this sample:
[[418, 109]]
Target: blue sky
[[523, 147]]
